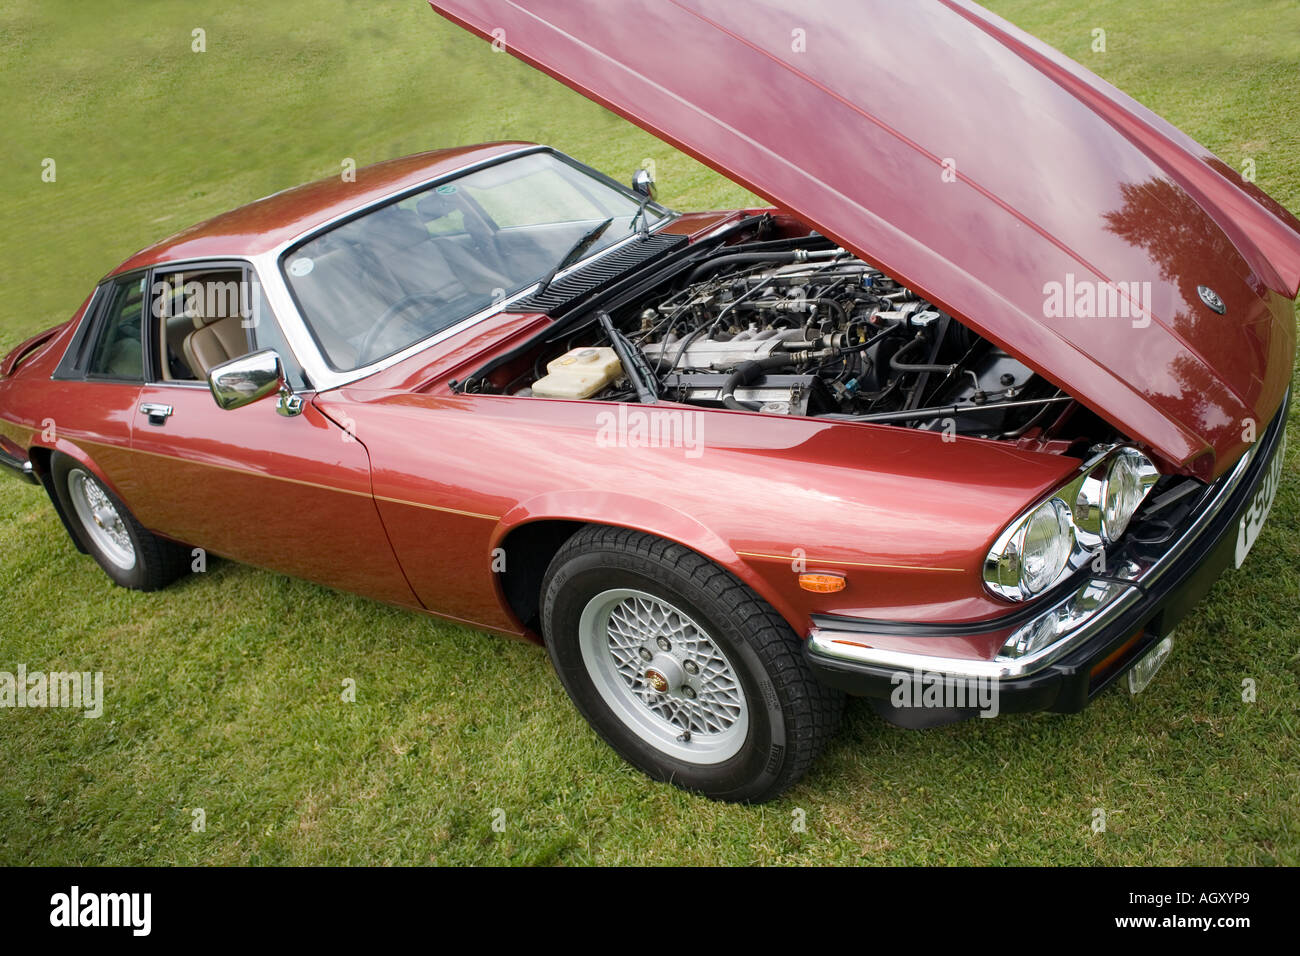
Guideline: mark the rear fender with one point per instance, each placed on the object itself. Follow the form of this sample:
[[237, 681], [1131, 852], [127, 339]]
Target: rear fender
[[41, 455]]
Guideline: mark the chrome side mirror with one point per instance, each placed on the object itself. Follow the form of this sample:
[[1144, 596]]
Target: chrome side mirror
[[252, 378], [643, 184]]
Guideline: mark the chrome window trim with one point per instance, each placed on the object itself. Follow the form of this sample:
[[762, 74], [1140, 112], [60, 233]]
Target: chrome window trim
[[173, 265], [82, 331]]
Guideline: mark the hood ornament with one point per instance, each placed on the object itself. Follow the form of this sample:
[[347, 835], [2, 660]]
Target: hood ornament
[[1211, 298]]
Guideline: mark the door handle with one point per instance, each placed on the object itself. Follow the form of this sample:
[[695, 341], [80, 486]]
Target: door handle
[[158, 413]]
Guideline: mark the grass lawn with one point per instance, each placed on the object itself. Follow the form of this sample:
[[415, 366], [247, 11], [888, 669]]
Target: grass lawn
[[223, 693]]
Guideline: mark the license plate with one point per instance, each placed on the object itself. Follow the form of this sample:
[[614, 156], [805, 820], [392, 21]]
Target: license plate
[[1140, 674], [1252, 522]]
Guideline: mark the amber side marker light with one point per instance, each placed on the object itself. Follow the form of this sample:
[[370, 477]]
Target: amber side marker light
[[822, 583], [1111, 659]]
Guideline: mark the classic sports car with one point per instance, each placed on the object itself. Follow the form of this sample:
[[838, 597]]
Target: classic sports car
[[989, 395]]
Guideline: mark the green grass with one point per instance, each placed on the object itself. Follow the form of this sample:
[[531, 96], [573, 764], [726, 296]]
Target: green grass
[[223, 693]]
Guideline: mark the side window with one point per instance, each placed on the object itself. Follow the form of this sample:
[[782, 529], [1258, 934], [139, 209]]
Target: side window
[[201, 319], [119, 347], [206, 315]]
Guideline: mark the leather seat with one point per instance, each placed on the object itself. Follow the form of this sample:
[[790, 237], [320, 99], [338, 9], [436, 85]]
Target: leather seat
[[417, 263], [213, 342]]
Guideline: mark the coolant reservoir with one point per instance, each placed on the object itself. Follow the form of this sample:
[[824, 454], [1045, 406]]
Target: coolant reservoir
[[579, 374]]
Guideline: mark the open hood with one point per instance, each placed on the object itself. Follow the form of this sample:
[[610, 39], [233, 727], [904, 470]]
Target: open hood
[[1048, 211]]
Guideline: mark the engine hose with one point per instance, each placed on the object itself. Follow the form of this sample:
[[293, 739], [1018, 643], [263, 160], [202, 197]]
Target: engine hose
[[746, 373], [738, 258], [795, 306], [898, 366]]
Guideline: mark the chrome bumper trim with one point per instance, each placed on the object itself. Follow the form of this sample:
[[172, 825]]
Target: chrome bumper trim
[[831, 644], [20, 468]]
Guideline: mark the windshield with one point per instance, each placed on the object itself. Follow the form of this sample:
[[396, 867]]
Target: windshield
[[402, 272]]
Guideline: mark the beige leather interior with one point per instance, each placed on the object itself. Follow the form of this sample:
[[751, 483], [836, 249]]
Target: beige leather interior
[[192, 341], [213, 342]]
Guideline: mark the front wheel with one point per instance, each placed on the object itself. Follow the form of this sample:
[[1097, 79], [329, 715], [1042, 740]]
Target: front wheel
[[681, 668]]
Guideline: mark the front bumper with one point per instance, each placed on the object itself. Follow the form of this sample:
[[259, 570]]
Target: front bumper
[[1159, 575]]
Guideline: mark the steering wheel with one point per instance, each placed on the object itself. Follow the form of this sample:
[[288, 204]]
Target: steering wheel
[[393, 311]]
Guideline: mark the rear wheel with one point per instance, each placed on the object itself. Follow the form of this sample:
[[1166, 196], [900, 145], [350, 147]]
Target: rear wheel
[[681, 668], [130, 555]]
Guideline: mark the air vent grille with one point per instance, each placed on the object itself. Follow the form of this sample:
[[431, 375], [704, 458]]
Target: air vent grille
[[568, 291]]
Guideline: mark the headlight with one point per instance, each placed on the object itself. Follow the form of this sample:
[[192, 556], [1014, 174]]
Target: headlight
[[1063, 532], [1031, 554], [1126, 486], [1069, 615]]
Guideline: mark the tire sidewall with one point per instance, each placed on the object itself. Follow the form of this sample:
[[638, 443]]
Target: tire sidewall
[[748, 774]]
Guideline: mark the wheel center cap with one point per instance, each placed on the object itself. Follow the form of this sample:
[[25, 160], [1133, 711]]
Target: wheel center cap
[[664, 673]]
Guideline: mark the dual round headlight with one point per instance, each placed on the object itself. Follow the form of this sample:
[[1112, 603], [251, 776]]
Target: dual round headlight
[[1058, 535], [1032, 553], [1125, 487]]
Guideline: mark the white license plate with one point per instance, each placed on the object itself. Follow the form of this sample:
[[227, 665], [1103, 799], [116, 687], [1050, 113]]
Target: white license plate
[[1252, 522], [1140, 674]]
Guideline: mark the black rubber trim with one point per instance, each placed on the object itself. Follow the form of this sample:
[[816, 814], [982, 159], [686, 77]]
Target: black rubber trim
[[567, 293]]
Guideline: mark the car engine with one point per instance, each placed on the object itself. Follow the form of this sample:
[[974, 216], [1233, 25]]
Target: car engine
[[798, 328]]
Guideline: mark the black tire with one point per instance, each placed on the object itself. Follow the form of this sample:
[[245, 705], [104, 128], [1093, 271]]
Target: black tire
[[790, 715], [157, 561]]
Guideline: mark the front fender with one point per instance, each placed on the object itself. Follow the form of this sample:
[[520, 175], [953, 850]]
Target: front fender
[[619, 509]]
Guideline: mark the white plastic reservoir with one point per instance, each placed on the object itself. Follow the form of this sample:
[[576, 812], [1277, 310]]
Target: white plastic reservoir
[[580, 373]]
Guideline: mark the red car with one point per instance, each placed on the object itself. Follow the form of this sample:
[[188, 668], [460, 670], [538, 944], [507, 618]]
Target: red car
[[964, 422]]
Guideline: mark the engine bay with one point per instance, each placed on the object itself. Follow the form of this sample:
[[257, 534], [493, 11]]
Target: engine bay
[[795, 326]]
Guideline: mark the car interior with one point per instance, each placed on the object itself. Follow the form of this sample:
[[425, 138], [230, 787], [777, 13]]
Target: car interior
[[405, 271], [202, 322]]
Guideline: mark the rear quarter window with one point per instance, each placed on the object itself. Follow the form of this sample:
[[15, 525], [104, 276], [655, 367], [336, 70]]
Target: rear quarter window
[[117, 350]]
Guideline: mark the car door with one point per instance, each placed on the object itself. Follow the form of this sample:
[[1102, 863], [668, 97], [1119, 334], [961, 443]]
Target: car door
[[290, 494]]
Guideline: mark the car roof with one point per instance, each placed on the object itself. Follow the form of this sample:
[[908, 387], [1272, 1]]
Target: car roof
[[269, 222]]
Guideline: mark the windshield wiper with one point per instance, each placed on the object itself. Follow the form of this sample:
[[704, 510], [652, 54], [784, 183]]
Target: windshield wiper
[[574, 254], [634, 361]]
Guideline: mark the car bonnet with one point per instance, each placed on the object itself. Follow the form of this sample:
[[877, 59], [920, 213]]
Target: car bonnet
[[1051, 213]]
